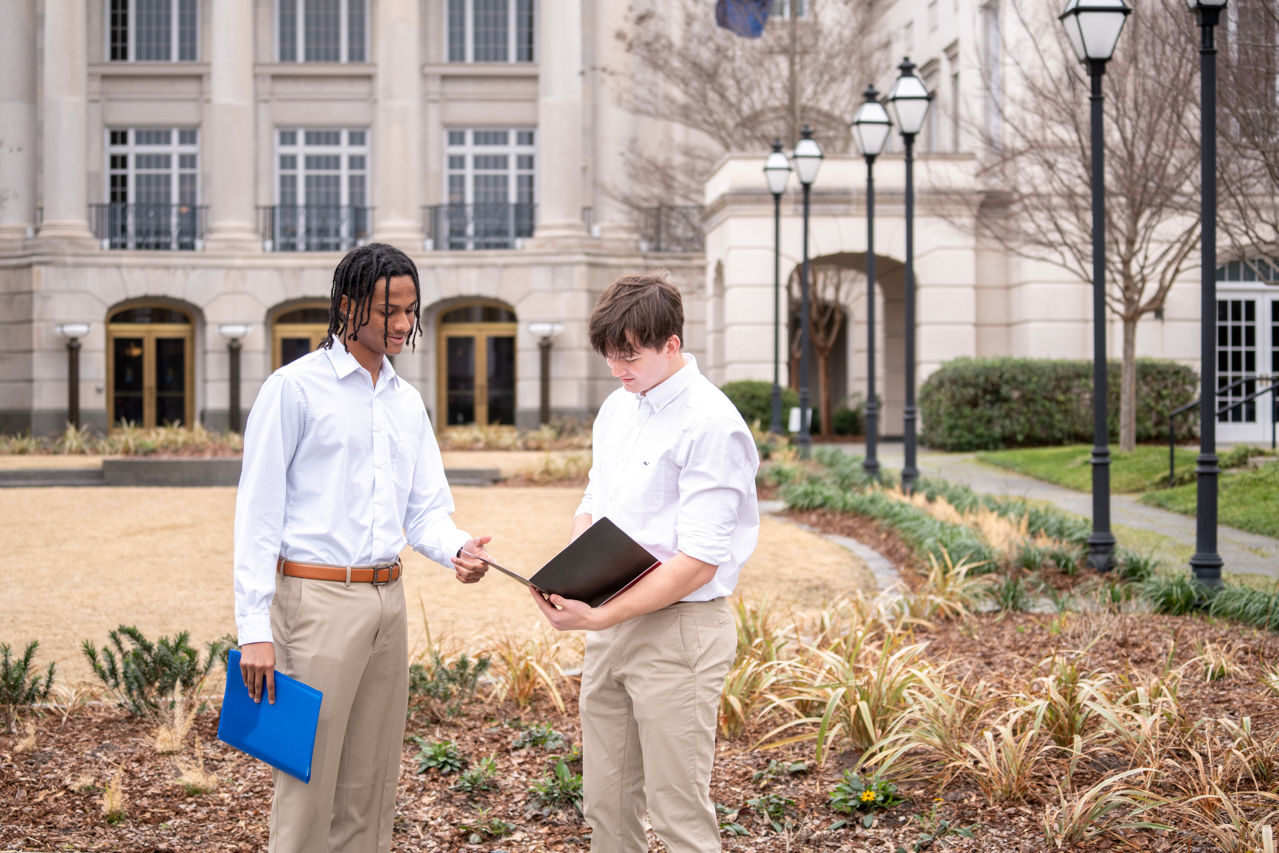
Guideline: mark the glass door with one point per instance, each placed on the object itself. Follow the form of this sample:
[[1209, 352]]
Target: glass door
[[298, 332], [150, 367], [1247, 355], [476, 375]]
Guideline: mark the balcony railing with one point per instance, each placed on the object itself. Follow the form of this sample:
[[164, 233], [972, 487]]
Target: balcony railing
[[668, 228], [314, 227], [167, 227], [469, 227]]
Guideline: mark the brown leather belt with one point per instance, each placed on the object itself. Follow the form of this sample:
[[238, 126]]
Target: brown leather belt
[[376, 575]]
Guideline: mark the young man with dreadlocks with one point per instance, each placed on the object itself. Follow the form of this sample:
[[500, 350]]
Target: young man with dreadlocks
[[674, 466], [341, 472]]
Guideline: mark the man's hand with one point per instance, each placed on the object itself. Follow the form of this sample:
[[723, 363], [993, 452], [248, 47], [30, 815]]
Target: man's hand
[[565, 614], [257, 661], [469, 569]]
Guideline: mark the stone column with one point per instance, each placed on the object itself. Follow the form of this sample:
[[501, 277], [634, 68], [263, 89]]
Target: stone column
[[559, 121], [615, 127], [65, 125], [228, 143], [397, 126], [18, 122]]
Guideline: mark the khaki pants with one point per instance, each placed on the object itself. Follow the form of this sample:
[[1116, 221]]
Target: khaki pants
[[351, 644], [649, 705]]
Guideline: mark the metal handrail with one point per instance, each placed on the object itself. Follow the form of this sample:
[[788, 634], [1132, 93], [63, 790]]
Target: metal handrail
[[314, 227], [476, 227], [144, 225], [1274, 415]]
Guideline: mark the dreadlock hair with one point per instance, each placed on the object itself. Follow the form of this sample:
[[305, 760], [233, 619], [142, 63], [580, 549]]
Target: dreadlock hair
[[356, 278]]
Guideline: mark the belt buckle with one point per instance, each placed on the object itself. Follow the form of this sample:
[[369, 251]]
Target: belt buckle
[[388, 569]]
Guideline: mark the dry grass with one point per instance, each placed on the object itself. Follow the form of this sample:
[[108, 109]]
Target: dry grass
[[113, 800], [127, 440], [161, 559], [177, 717], [26, 743], [192, 776]]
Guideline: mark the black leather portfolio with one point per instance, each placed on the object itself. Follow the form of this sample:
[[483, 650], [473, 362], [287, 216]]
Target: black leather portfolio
[[598, 565]]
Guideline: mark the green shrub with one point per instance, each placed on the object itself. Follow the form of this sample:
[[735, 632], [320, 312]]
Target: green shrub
[[441, 756], [559, 789], [440, 689], [1247, 605], [478, 778], [1012, 594], [486, 827], [539, 735], [146, 676], [1174, 595], [772, 810], [855, 794], [754, 399], [21, 685], [993, 403]]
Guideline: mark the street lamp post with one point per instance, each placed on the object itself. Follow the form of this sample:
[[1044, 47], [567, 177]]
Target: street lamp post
[[871, 127], [73, 332], [1206, 562], [777, 171], [544, 333], [1093, 27], [808, 160], [910, 101], [233, 332]]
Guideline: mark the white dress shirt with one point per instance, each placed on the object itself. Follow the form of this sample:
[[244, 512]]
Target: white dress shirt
[[336, 471], [675, 468]]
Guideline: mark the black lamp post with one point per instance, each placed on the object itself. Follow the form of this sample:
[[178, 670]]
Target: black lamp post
[[808, 160], [73, 332], [909, 100], [545, 332], [233, 332], [1206, 562], [1093, 28], [777, 171], [871, 127]]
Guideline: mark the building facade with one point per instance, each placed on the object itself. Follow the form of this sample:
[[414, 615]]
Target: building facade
[[173, 169]]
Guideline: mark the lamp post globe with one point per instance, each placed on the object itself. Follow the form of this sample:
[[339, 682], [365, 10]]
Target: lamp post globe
[[1093, 28], [777, 169], [807, 158], [1206, 563], [909, 101], [871, 127]]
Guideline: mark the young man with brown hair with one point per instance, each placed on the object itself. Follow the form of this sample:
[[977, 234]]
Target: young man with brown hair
[[674, 466], [341, 472]]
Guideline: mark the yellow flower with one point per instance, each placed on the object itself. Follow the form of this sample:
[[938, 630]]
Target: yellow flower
[[869, 796]]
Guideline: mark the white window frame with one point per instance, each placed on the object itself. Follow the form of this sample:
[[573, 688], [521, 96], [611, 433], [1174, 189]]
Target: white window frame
[[780, 9], [511, 32], [344, 151], [469, 149], [175, 149], [344, 28], [132, 48]]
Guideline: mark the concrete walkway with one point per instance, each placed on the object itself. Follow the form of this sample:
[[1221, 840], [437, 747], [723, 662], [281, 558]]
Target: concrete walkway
[[1243, 552]]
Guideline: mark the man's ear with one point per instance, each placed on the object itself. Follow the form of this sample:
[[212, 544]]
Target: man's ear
[[672, 345]]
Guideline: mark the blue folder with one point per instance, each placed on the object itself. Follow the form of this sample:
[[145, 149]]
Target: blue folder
[[283, 734]]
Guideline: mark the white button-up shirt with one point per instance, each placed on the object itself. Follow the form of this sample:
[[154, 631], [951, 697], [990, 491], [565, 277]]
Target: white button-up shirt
[[675, 468], [336, 471]]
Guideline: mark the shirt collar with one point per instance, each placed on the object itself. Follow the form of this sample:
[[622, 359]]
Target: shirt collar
[[660, 395], [344, 364]]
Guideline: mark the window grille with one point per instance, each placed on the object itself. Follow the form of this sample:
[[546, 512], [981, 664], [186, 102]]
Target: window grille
[[152, 30], [490, 30], [322, 30]]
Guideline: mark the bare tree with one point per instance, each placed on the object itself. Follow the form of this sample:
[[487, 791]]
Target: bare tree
[[738, 94], [1248, 126], [830, 287], [1039, 168]]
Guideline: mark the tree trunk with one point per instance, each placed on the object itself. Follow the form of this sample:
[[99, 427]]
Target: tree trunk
[[1128, 389], [823, 394]]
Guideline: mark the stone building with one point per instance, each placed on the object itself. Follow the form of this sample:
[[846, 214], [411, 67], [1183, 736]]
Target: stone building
[[173, 169]]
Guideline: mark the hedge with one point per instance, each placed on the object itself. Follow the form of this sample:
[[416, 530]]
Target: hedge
[[754, 399], [994, 403]]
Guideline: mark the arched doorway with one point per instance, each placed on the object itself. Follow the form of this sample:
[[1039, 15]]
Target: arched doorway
[[1247, 349], [476, 364], [297, 331], [150, 366]]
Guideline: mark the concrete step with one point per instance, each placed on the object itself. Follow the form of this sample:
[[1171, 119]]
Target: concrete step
[[180, 472], [39, 477]]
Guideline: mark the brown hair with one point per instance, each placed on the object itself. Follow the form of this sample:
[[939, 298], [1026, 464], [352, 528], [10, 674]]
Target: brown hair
[[636, 312]]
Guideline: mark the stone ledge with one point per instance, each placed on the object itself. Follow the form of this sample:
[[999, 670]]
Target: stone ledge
[[133, 471]]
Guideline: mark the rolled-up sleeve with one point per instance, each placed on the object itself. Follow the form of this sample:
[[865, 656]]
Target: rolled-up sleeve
[[427, 523], [271, 437], [717, 475]]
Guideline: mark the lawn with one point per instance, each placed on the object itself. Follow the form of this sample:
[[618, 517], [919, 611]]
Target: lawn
[[1248, 500], [1069, 466]]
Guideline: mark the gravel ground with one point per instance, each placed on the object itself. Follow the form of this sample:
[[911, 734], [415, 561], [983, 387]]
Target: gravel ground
[[75, 563]]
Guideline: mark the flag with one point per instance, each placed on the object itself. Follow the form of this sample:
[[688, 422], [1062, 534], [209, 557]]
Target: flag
[[746, 18]]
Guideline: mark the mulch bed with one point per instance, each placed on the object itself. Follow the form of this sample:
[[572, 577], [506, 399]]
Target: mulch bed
[[50, 798], [870, 532]]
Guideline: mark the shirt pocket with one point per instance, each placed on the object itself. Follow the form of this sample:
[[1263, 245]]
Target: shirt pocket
[[648, 491], [405, 463]]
